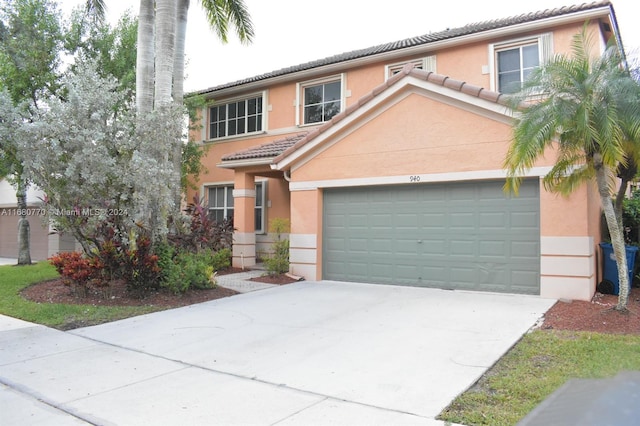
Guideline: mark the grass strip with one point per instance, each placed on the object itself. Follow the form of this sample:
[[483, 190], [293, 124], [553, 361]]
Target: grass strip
[[62, 316], [535, 367]]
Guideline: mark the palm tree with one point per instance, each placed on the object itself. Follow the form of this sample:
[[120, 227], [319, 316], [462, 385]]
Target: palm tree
[[162, 37], [161, 52], [586, 108]]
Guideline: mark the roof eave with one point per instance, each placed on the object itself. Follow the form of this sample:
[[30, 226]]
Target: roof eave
[[248, 162]]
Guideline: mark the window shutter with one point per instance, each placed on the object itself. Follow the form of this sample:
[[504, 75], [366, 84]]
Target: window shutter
[[430, 63], [546, 48]]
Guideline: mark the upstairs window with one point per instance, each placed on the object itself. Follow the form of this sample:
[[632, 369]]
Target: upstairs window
[[515, 65], [512, 62], [235, 118], [321, 100]]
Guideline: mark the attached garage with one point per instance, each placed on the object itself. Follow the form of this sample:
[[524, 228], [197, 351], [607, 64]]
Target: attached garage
[[468, 236]]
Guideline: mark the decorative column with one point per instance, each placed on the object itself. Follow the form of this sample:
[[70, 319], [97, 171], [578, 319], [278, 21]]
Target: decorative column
[[244, 237]]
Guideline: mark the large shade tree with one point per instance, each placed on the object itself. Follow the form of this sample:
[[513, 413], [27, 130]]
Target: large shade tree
[[584, 107]]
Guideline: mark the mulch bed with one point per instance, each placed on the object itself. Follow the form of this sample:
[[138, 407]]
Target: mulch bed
[[116, 294], [597, 315]]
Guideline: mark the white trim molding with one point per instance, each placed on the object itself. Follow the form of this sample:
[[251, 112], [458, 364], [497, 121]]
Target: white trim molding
[[411, 179]]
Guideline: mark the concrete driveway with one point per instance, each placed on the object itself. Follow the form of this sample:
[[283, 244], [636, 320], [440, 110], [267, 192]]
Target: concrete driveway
[[306, 353]]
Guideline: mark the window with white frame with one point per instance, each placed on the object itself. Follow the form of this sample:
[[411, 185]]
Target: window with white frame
[[260, 204], [221, 204], [321, 101], [236, 118], [514, 66], [514, 61]]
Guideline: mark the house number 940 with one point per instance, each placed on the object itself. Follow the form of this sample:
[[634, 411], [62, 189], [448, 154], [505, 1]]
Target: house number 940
[[414, 178]]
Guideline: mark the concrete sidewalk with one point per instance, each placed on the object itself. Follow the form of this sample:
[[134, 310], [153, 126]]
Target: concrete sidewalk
[[301, 354]]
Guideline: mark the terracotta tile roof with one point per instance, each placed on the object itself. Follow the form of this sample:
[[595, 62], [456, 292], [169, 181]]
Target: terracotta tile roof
[[268, 150], [425, 39], [280, 149]]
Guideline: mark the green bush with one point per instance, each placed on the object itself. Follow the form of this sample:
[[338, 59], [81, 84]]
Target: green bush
[[188, 270], [277, 262], [221, 259]]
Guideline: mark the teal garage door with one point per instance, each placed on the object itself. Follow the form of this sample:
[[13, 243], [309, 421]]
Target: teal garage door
[[468, 236]]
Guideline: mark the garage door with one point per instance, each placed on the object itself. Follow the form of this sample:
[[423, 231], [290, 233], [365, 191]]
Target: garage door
[[453, 236]]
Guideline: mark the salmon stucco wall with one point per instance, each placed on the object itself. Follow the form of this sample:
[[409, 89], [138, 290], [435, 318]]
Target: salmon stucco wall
[[305, 244], [567, 249], [443, 139]]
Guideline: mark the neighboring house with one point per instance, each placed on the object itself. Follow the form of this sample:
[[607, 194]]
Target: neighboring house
[[43, 243], [388, 162]]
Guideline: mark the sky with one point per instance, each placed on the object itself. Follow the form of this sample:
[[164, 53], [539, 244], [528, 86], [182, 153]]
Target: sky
[[291, 32]]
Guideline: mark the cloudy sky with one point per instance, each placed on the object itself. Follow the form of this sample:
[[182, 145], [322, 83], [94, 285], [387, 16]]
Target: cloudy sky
[[290, 32]]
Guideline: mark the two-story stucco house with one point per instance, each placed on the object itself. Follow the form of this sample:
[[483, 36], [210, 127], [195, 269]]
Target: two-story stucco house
[[388, 163]]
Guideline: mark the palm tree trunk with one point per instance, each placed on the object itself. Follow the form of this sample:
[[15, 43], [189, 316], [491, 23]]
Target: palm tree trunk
[[145, 57], [617, 239], [178, 89], [166, 11], [178, 63]]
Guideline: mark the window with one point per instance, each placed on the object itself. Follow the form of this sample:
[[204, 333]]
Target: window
[[512, 62], [515, 65], [221, 204], [321, 101], [259, 213], [235, 118], [427, 64]]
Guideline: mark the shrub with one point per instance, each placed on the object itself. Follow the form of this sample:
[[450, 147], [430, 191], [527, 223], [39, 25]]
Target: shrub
[[221, 259], [203, 233], [77, 270], [277, 262], [140, 267], [188, 270]]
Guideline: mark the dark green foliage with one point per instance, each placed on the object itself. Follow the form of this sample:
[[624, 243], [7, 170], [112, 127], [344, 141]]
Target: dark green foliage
[[221, 260], [183, 270], [188, 270], [192, 165], [113, 48], [631, 218], [30, 44]]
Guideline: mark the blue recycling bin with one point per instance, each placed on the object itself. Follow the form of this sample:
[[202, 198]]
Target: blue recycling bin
[[610, 266]]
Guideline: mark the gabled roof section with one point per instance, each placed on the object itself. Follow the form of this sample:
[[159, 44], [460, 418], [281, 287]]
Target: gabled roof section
[[426, 39], [279, 150]]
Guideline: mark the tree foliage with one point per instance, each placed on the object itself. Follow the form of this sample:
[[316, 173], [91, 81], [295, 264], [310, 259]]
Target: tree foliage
[[113, 48], [30, 43], [97, 164]]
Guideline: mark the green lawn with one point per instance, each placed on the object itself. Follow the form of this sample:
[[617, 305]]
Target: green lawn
[[539, 364], [15, 278]]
